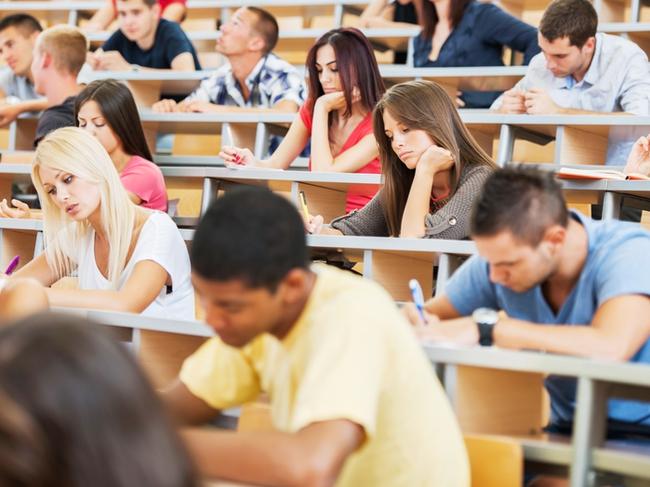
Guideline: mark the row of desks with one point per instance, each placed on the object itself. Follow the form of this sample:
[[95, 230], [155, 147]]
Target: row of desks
[[626, 11], [562, 139], [502, 372], [390, 261], [487, 78]]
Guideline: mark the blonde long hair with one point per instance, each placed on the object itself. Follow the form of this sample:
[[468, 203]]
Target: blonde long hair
[[74, 151]]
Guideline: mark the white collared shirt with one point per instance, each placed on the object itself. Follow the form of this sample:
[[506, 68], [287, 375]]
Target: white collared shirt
[[618, 80]]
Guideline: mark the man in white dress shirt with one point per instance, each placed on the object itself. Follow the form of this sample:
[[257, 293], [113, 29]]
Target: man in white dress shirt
[[580, 72]]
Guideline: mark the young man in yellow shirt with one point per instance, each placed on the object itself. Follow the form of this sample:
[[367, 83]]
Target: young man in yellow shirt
[[353, 397]]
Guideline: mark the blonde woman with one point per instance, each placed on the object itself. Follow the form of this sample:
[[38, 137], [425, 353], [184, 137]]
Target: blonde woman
[[127, 258]]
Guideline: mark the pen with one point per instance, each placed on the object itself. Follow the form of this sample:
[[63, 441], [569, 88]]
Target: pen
[[12, 265], [418, 297], [303, 205]]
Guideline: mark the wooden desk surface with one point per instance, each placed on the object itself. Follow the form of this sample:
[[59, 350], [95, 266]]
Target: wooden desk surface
[[545, 363]]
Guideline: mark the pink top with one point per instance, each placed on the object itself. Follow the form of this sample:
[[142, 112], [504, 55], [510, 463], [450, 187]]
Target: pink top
[[358, 194], [145, 180]]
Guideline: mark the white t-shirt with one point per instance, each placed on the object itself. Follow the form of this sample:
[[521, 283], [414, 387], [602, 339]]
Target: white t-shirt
[[161, 242]]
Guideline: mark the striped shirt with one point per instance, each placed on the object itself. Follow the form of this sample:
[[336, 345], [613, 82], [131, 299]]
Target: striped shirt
[[271, 81]]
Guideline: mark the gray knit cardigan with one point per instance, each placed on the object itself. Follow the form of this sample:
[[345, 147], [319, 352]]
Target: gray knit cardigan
[[449, 218]]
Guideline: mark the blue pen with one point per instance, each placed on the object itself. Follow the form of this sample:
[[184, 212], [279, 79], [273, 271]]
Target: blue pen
[[418, 297]]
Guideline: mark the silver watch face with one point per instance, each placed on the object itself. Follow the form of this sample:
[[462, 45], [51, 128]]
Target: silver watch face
[[485, 315]]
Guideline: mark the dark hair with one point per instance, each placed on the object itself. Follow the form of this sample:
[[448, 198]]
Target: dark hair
[[267, 27], [24, 22], [120, 112], [523, 201], [357, 66], [575, 19], [420, 105], [249, 234], [430, 16], [75, 410]]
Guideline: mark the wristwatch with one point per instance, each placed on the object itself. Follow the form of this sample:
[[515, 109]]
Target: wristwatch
[[135, 68], [485, 319]]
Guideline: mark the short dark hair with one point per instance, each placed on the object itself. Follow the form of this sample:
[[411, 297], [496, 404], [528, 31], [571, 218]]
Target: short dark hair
[[357, 66], [249, 234], [267, 27], [23, 22], [76, 410], [523, 201], [120, 112], [575, 19]]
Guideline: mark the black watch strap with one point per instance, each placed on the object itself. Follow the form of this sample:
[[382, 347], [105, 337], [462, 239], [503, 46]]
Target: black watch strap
[[485, 334]]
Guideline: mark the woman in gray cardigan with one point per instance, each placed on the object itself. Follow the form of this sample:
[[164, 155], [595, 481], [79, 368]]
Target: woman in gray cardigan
[[433, 169]]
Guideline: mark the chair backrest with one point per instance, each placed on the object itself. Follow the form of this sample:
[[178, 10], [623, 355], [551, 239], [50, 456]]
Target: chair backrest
[[495, 461]]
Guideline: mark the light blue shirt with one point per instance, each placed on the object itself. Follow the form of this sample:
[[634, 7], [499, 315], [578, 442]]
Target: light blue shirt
[[618, 80], [18, 86], [617, 264]]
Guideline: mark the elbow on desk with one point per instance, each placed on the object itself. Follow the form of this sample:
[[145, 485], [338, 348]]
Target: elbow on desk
[[615, 352], [122, 304], [326, 168], [618, 356]]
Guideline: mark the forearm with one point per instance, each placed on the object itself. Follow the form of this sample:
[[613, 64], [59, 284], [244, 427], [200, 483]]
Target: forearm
[[101, 19], [93, 299], [374, 9], [579, 340], [417, 205], [321, 153], [271, 458], [272, 163], [37, 105]]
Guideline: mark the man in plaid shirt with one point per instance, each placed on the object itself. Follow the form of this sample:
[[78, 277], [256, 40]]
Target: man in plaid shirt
[[253, 78]]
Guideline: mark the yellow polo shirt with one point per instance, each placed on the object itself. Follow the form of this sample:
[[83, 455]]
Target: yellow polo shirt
[[351, 355]]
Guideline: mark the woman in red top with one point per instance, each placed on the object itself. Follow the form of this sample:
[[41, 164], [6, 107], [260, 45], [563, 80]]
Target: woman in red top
[[344, 86]]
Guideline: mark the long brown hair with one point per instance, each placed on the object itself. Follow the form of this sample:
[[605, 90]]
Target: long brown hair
[[421, 105], [430, 15], [120, 112], [357, 66]]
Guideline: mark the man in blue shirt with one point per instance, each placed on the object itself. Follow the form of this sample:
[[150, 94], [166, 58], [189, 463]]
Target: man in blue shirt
[[145, 41], [568, 284]]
